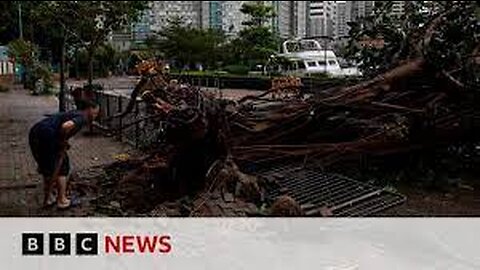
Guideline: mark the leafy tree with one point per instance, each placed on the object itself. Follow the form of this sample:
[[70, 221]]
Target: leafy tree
[[259, 14], [90, 22], [380, 26], [255, 43], [97, 19], [85, 24], [9, 20], [105, 60], [401, 35], [187, 45], [62, 25], [27, 54], [212, 40], [151, 47]]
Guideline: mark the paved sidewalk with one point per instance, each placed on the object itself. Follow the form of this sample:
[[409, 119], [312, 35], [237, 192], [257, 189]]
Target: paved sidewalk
[[20, 185]]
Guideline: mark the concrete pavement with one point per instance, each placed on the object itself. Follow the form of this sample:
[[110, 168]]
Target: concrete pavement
[[20, 185]]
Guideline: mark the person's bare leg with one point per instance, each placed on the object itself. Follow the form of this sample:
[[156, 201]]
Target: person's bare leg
[[46, 190], [49, 191], [62, 200]]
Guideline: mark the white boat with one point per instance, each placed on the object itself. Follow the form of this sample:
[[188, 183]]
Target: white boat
[[306, 56]]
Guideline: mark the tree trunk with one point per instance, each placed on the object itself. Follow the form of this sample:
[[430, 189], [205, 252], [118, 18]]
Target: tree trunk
[[77, 68], [61, 95], [90, 67]]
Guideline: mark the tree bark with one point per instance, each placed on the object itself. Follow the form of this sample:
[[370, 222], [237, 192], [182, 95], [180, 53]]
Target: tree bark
[[61, 95], [133, 97], [77, 68]]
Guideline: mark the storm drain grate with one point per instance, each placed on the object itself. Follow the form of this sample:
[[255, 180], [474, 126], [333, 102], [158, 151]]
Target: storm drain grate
[[314, 189]]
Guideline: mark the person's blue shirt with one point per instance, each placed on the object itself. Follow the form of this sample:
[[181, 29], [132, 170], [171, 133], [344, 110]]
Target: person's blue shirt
[[52, 124]]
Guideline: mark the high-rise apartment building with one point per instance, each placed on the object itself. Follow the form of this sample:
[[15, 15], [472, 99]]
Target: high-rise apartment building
[[350, 11], [154, 19], [302, 21], [360, 9], [162, 11], [212, 14], [222, 15], [284, 21], [322, 18], [290, 19], [398, 8], [344, 16], [232, 18], [141, 30]]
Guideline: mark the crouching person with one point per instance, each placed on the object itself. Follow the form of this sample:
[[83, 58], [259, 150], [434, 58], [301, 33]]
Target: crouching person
[[49, 144]]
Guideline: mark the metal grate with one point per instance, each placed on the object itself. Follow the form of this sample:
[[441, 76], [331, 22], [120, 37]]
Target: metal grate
[[344, 196]]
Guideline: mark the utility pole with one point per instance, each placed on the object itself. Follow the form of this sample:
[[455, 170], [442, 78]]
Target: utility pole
[[20, 24], [20, 36]]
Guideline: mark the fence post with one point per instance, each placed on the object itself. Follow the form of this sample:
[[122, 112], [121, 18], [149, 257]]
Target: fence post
[[107, 113], [68, 98], [101, 108]]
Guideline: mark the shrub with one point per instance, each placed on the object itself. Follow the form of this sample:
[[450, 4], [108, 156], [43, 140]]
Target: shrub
[[45, 74], [237, 69]]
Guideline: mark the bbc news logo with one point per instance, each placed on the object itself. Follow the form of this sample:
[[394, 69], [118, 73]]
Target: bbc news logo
[[89, 244]]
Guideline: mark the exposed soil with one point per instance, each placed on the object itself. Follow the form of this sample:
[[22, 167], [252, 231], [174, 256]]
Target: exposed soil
[[460, 200]]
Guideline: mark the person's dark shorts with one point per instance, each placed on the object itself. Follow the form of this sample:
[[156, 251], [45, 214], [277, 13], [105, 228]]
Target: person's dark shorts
[[45, 151]]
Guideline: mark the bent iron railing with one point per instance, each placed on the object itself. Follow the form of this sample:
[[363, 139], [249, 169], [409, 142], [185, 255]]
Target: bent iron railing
[[130, 128]]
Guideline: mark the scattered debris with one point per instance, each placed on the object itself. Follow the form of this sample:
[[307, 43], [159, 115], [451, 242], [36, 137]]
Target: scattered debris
[[285, 206], [121, 157]]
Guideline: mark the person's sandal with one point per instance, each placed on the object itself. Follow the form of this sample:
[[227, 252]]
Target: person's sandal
[[64, 205], [52, 199]]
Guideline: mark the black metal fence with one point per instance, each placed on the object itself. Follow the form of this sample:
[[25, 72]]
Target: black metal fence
[[132, 128]]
